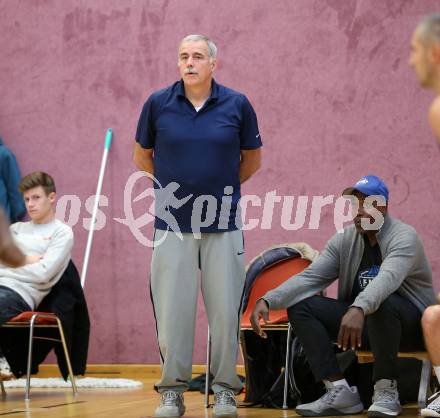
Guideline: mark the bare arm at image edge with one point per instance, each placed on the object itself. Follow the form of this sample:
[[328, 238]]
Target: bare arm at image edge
[[9, 253], [434, 118]]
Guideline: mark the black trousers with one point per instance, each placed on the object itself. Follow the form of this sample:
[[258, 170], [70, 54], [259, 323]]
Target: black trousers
[[11, 304], [394, 327]]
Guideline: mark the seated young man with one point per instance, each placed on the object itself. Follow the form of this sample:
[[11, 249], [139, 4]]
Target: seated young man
[[385, 284], [46, 243]]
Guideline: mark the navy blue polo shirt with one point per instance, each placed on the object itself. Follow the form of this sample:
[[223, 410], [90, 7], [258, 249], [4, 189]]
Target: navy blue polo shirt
[[197, 156]]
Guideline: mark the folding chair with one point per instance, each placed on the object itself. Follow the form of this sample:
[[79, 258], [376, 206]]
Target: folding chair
[[34, 320], [268, 279]]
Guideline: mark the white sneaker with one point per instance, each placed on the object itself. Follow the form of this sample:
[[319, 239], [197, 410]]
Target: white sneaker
[[171, 405], [385, 400], [5, 370], [338, 400], [433, 408], [225, 405]]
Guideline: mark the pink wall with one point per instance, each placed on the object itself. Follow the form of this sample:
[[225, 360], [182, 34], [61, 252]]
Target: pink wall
[[329, 81]]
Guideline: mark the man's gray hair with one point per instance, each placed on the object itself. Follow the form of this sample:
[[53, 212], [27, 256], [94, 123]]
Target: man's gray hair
[[429, 28], [212, 48]]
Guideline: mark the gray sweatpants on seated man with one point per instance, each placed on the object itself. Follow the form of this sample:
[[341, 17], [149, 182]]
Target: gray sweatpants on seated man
[[174, 289]]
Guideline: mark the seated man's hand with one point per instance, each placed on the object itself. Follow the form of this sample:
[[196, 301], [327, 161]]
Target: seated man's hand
[[31, 259], [261, 311], [350, 331]]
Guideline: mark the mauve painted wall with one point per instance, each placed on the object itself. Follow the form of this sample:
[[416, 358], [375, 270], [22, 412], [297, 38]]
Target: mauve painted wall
[[329, 81]]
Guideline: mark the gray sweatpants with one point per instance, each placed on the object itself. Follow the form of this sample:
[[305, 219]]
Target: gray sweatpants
[[174, 288]]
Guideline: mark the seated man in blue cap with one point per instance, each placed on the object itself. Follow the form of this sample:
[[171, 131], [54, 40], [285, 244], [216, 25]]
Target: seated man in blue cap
[[384, 286]]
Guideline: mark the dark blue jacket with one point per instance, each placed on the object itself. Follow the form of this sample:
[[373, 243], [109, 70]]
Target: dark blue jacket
[[10, 198]]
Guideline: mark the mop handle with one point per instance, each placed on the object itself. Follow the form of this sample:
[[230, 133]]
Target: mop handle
[[107, 144]]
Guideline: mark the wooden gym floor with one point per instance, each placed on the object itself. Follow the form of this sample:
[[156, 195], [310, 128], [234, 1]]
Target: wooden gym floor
[[118, 403]]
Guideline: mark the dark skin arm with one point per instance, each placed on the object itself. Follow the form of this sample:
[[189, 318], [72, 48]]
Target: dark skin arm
[[350, 330], [261, 311]]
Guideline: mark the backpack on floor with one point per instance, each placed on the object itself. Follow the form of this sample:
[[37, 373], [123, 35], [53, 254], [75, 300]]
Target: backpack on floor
[[267, 374], [301, 380], [265, 358]]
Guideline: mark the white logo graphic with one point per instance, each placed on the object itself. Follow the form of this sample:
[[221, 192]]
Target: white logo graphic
[[362, 181], [163, 199], [208, 211]]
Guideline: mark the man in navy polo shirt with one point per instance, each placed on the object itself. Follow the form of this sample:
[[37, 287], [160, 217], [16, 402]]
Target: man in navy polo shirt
[[200, 140]]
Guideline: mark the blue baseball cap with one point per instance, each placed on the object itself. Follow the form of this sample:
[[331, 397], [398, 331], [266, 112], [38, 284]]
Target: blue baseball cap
[[369, 186]]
